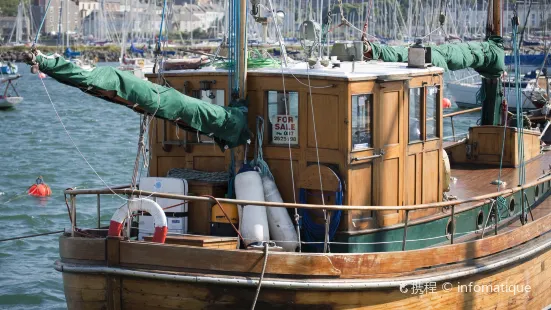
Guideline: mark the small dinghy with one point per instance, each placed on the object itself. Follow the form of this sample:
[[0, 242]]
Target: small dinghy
[[7, 101]]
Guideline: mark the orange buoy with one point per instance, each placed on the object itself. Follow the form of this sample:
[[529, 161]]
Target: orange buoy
[[40, 189], [446, 103]]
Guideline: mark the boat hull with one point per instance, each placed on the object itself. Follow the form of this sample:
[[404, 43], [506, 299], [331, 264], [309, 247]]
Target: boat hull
[[464, 95], [10, 102], [105, 274]]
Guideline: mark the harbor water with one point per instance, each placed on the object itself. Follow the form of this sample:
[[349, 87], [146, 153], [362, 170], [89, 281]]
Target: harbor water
[[34, 143]]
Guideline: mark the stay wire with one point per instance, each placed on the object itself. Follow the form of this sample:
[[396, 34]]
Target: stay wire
[[80, 153], [296, 215]]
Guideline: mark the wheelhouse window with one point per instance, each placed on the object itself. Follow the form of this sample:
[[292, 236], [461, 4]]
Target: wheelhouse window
[[283, 117], [362, 118], [415, 115], [433, 93]]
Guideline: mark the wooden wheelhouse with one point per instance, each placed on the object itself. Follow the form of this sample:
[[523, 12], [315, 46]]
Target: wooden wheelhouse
[[378, 129]]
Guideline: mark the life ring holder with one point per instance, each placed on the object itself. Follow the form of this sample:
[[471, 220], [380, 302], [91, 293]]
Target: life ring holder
[[147, 205]]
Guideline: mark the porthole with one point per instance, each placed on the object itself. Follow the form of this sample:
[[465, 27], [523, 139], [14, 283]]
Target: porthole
[[512, 206], [449, 229], [480, 220]]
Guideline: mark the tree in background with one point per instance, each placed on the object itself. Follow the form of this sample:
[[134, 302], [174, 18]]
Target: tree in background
[[8, 7]]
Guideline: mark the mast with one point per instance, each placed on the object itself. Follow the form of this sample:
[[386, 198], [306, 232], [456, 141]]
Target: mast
[[491, 105], [67, 21], [242, 61], [19, 22]]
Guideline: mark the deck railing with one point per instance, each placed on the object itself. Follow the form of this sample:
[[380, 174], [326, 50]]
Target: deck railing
[[453, 204], [451, 115]]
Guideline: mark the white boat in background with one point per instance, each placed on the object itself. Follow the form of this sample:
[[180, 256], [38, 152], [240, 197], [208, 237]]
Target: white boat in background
[[6, 100], [465, 94]]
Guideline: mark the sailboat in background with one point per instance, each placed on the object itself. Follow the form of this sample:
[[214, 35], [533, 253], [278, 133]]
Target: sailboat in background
[[7, 100]]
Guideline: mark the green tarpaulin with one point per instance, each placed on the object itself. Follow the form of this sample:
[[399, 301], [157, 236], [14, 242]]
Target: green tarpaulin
[[487, 58], [228, 125]]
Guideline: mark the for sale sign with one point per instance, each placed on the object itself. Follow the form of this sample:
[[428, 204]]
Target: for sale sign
[[285, 129]]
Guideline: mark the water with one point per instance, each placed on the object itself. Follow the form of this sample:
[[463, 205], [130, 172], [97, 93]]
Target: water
[[33, 143]]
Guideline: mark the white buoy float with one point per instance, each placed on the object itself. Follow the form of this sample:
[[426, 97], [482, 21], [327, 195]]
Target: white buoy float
[[280, 225], [254, 220]]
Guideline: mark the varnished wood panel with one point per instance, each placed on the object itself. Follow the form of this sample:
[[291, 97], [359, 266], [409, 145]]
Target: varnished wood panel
[[431, 176], [411, 179], [88, 249], [326, 115], [210, 164], [360, 178], [390, 122]]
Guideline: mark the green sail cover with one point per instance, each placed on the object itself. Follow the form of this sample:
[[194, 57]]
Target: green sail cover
[[487, 58], [228, 125]]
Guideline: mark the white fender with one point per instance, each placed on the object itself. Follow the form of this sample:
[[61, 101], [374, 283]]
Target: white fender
[[254, 221], [280, 225], [446, 172], [146, 205]]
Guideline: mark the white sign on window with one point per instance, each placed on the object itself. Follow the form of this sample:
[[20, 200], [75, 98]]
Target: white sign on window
[[285, 129]]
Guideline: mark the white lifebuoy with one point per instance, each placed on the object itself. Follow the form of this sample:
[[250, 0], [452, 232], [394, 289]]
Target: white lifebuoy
[[146, 205]]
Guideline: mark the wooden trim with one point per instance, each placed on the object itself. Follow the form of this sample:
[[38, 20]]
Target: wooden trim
[[179, 256], [88, 249], [366, 265]]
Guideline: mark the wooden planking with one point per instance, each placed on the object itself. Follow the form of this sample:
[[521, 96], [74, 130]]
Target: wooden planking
[[88, 249], [228, 243], [326, 115], [175, 256], [147, 293], [472, 182]]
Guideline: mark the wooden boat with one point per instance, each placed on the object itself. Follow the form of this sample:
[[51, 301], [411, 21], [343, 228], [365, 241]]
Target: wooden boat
[[358, 156], [6, 100]]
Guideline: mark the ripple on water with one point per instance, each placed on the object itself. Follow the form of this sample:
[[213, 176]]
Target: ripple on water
[[35, 143]]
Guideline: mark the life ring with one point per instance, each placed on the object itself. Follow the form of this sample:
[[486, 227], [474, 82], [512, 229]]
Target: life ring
[[147, 205]]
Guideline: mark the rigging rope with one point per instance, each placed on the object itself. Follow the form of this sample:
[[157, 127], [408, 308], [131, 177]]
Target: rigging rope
[[261, 275], [31, 236], [42, 22]]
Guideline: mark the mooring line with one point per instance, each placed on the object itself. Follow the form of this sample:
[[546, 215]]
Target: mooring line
[[31, 236]]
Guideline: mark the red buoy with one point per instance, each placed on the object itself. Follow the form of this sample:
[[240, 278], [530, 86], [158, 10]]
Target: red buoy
[[446, 103], [40, 189]]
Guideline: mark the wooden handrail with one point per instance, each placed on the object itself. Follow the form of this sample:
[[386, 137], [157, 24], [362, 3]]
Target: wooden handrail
[[129, 191], [462, 112]]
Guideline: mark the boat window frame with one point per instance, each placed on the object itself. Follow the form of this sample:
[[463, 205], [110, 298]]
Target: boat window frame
[[371, 120], [437, 112], [421, 114], [424, 119], [268, 124]]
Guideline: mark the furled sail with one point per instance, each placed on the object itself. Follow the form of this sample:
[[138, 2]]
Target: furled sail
[[487, 58], [227, 125]]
